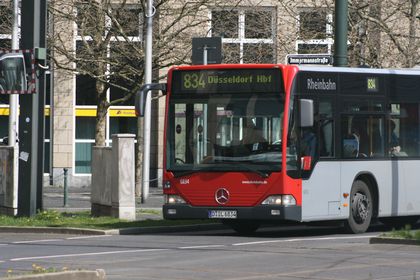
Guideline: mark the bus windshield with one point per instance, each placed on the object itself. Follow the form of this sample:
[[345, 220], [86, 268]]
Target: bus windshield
[[225, 131]]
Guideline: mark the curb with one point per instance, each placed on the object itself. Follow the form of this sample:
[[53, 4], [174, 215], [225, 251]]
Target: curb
[[60, 230], [395, 241], [121, 231], [166, 229], [99, 274]]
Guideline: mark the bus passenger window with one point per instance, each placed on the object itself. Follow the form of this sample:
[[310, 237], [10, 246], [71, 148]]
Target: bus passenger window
[[363, 136], [358, 130], [403, 131]]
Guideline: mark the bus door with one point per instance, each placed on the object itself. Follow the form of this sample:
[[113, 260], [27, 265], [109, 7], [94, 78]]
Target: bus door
[[191, 132], [321, 179]]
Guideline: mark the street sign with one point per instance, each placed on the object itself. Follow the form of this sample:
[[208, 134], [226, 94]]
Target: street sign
[[206, 50], [309, 59]]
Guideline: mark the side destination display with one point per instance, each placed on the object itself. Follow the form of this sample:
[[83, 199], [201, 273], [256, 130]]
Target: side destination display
[[227, 81]]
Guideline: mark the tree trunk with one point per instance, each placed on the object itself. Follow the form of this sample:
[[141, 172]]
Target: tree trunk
[[139, 156], [100, 128]]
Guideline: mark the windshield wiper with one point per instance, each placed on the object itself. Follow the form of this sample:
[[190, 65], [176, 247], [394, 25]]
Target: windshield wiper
[[182, 173], [178, 174], [254, 170]]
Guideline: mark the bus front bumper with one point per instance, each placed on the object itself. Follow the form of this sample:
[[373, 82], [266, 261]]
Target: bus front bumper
[[269, 213]]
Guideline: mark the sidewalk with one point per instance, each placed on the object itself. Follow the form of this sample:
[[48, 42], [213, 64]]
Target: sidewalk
[[78, 199]]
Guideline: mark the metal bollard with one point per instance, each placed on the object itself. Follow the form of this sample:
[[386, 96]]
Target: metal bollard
[[65, 186]]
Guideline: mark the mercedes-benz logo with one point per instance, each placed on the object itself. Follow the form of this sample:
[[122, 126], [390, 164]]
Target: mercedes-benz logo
[[222, 196]]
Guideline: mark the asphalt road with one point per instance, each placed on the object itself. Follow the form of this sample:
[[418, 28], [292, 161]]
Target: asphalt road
[[273, 253]]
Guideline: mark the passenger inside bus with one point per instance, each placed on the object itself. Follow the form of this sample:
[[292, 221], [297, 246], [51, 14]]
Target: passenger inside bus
[[394, 143], [252, 134], [359, 127], [308, 142], [253, 139], [355, 142]]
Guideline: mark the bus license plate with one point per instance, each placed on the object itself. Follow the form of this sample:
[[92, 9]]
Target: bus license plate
[[222, 214]]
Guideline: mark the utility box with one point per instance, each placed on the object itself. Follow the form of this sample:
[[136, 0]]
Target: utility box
[[113, 179]]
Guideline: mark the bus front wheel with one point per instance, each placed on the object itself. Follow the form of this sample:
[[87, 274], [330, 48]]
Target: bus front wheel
[[361, 208]]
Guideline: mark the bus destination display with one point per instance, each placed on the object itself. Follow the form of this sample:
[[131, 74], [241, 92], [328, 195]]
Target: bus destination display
[[227, 81]]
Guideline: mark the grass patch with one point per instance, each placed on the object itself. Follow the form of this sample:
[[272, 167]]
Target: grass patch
[[36, 269], [406, 233], [52, 218]]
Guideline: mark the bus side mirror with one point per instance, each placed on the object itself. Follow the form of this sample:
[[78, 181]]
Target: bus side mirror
[[306, 107], [140, 98]]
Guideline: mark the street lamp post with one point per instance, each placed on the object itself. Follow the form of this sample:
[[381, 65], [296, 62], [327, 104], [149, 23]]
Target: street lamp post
[[340, 33]]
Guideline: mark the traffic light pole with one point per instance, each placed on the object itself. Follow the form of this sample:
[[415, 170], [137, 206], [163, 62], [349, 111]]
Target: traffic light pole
[[31, 117]]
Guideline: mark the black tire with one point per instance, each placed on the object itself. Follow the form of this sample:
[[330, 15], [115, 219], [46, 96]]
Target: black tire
[[361, 208], [243, 227]]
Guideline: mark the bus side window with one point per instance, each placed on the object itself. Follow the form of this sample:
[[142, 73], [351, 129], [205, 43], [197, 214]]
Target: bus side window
[[404, 137], [350, 138]]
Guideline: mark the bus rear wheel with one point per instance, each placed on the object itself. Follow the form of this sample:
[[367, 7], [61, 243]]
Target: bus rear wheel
[[361, 208], [243, 227]]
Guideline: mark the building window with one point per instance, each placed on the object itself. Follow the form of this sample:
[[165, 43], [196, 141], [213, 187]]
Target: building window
[[126, 39], [248, 34], [314, 32], [85, 139]]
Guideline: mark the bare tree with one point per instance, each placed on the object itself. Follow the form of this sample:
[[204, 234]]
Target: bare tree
[[109, 46], [107, 50], [386, 37], [382, 33]]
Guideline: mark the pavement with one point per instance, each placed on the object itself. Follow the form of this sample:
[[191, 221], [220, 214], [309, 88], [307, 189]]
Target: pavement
[[78, 199]]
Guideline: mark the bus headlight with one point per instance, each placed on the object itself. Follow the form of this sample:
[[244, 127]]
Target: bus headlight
[[272, 200], [174, 199], [286, 200]]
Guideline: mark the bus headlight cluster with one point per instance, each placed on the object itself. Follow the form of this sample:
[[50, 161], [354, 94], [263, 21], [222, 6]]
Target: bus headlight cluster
[[285, 199], [174, 199]]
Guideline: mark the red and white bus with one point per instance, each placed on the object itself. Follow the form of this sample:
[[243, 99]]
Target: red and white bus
[[249, 144]]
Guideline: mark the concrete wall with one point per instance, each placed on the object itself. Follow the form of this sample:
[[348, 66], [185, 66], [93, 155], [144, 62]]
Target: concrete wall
[[6, 181]]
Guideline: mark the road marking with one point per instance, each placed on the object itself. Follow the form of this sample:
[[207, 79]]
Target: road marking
[[202, 247], [303, 239], [36, 241], [86, 237], [87, 254]]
